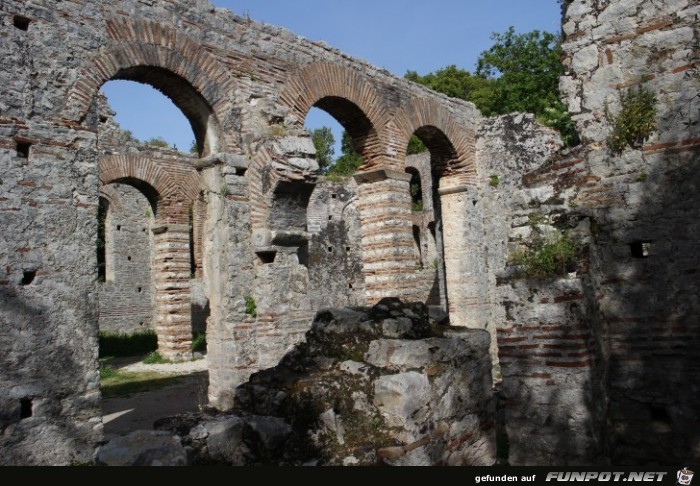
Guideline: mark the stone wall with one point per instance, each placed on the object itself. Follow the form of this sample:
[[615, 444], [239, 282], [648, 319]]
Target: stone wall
[[126, 297], [642, 205], [586, 358], [614, 344]]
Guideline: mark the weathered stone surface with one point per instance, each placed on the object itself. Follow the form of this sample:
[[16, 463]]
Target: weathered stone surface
[[143, 448], [317, 408], [225, 440], [611, 341]]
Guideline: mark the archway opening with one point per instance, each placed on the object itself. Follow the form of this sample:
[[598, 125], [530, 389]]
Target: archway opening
[[151, 99], [182, 128], [432, 154], [334, 252]]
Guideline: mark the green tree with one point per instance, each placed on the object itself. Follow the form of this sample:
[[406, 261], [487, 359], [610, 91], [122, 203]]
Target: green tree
[[193, 147], [348, 163], [458, 83], [323, 142], [526, 68], [520, 72]]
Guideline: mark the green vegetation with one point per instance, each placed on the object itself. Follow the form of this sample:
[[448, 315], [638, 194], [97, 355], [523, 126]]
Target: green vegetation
[[250, 307], [323, 143], [415, 146], [458, 83], [348, 163], [494, 181], [123, 344], [199, 342], [636, 120], [416, 190], [158, 142], [154, 357], [520, 72], [547, 256], [642, 177], [117, 383]]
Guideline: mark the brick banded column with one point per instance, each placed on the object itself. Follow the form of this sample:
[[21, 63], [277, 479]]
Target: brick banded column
[[172, 291], [388, 263], [463, 250]]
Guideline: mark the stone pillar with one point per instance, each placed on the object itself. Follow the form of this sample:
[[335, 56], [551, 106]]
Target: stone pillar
[[172, 291], [388, 263], [464, 255]]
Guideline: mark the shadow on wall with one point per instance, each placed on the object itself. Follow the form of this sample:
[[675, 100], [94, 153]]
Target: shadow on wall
[[39, 389], [648, 295]]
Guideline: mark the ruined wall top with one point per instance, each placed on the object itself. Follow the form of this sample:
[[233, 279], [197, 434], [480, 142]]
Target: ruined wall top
[[236, 80]]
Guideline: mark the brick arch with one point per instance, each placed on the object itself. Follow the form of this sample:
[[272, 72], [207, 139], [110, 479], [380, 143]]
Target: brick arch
[[168, 60], [346, 95], [114, 168], [451, 144], [110, 194]]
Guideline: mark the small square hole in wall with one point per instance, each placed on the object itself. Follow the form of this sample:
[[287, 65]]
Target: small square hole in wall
[[330, 217], [139, 289], [128, 258], [25, 408], [330, 249], [266, 257], [28, 277], [119, 227], [349, 286], [21, 22], [640, 249], [347, 248], [334, 196], [23, 149]]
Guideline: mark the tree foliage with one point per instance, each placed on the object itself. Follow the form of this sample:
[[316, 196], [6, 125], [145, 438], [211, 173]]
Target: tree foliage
[[519, 72], [349, 161], [458, 83], [323, 142]]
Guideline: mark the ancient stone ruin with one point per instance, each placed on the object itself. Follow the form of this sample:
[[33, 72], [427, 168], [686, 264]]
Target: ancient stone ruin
[[595, 365]]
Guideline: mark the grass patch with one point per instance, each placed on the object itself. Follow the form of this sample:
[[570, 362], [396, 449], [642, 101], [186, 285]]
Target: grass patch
[[114, 383], [155, 358], [122, 344]]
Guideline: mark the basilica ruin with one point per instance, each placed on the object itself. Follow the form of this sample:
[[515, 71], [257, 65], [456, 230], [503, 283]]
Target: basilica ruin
[[598, 365]]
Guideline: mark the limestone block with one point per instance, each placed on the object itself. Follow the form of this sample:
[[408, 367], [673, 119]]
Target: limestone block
[[399, 396], [143, 448], [585, 60], [225, 440]]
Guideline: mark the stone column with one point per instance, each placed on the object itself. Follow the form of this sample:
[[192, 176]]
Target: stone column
[[172, 291], [388, 263], [464, 255]]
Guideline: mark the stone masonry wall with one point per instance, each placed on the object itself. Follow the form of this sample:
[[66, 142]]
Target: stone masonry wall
[[544, 345], [126, 297], [616, 344], [642, 205]]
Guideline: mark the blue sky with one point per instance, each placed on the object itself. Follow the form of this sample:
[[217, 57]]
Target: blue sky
[[398, 35]]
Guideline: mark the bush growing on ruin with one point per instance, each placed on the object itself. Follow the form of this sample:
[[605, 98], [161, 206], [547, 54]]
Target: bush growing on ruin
[[635, 122]]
